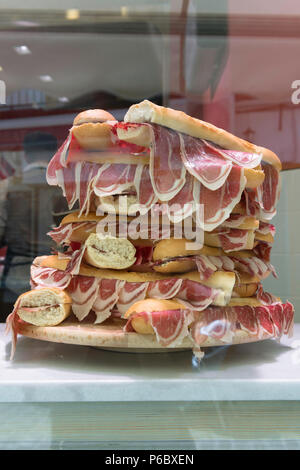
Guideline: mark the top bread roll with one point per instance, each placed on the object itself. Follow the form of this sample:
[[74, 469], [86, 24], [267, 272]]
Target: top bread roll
[[92, 115], [146, 111], [92, 129]]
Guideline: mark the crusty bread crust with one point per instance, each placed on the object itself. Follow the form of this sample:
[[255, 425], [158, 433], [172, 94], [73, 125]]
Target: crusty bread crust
[[173, 247], [146, 111], [268, 237], [153, 305], [176, 266], [92, 115], [93, 136], [57, 303], [245, 290], [109, 252], [220, 279]]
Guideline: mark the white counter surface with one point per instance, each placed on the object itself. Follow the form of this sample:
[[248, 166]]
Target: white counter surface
[[52, 372]]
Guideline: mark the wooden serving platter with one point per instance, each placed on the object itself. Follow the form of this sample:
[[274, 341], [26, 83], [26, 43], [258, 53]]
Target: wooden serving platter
[[110, 335]]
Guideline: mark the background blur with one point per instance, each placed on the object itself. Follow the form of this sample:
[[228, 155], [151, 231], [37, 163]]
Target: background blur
[[228, 62]]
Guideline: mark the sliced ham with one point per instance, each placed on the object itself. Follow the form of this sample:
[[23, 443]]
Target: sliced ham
[[83, 291], [214, 207], [244, 159], [167, 172], [233, 239], [203, 162], [58, 162], [114, 178], [219, 323], [86, 292], [268, 193], [106, 299], [146, 196], [49, 277], [260, 322], [170, 326], [265, 228], [130, 293]]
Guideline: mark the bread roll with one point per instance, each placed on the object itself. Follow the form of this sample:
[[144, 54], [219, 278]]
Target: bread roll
[[146, 111], [140, 324], [173, 247], [141, 136], [219, 280], [108, 252], [92, 129], [245, 290], [44, 307]]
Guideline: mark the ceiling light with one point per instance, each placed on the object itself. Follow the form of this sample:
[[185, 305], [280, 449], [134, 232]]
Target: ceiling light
[[1, 68], [26, 24], [72, 14], [22, 50], [63, 99], [124, 11], [46, 78]]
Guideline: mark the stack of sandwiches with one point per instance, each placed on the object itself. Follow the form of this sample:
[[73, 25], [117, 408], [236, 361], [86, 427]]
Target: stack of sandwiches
[[172, 237]]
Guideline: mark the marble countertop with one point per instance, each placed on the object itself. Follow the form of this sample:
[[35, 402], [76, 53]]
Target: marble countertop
[[53, 372]]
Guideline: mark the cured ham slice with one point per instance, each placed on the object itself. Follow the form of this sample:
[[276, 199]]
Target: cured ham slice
[[106, 299], [214, 323], [216, 206], [254, 266], [197, 295], [265, 297], [86, 292], [12, 327], [58, 162], [166, 289], [182, 205], [233, 239], [244, 159], [49, 277], [83, 291], [268, 193], [203, 162], [130, 293], [143, 185], [218, 323], [263, 250], [75, 261], [61, 234], [259, 322], [234, 221], [170, 326], [88, 172], [166, 169], [265, 229], [114, 178]]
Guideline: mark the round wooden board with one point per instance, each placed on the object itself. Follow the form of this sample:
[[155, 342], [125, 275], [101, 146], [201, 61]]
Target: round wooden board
[[110, 335]]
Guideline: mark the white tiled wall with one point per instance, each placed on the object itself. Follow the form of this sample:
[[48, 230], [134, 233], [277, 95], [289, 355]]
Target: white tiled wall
[[285, 254]]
